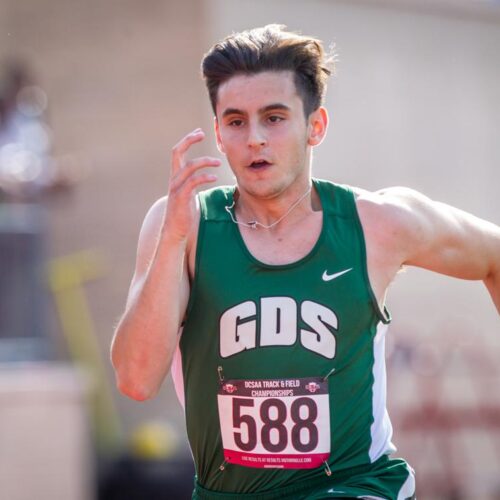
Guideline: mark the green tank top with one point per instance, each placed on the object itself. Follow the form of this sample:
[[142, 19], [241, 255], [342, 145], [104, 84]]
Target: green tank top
[[281, 367]]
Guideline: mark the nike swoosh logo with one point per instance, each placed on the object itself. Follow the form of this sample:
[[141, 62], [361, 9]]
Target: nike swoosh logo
[[330, 277]]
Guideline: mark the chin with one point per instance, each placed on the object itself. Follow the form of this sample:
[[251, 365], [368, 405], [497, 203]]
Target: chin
[[263, 189]]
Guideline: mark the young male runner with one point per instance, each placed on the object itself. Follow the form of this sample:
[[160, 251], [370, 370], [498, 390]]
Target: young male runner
[[276, 289]]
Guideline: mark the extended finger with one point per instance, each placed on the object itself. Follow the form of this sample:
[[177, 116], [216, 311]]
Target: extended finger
[[187, 188], [183, 145], [194, 165]]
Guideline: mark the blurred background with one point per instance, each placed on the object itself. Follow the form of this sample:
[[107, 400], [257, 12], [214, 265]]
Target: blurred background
[[93, 95]]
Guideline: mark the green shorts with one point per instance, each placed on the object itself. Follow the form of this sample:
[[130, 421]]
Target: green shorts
[[385, 479]]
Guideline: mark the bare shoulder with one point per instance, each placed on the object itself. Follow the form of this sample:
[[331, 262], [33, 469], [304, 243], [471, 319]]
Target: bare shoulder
[[154, 216], [419, 231], [403, 226], [389, 201], [151, 227], [392, 213], [151, 231], [389, 218], [148, 236]]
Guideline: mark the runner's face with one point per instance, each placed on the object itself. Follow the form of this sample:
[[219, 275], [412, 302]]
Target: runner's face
[[261, 128]]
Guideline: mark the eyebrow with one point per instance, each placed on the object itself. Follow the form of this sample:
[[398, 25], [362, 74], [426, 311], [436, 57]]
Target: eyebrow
[[265, 109]]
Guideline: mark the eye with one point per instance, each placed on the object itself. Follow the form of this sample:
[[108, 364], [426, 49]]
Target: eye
[[275, 118], [237, 122]]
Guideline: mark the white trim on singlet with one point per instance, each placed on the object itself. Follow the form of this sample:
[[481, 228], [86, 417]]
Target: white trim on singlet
[[408, 488], [176, 372], [381, 428]]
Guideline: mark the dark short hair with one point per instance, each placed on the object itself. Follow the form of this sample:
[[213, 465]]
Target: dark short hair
[[270, 48]]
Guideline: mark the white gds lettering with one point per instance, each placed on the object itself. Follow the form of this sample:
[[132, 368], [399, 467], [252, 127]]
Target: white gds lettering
[[234, 335], [278, 326], [320, 340]]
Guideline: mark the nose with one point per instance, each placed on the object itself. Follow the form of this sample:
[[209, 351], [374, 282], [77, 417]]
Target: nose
[[256, 136]]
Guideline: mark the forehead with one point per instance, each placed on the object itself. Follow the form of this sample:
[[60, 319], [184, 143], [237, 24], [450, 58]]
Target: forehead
[[248, 92]]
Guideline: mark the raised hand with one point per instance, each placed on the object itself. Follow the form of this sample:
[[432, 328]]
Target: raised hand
[[180, 213]]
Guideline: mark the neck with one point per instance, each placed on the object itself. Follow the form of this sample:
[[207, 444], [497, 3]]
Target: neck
[[281, 208]]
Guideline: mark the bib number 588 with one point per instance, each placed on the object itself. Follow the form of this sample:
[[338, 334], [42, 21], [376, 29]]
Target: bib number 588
[[275, 434]]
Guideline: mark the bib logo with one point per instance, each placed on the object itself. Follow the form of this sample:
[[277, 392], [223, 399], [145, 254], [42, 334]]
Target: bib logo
[[278, 326]]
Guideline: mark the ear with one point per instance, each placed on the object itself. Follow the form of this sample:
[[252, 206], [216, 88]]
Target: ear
[[218, 139], [317, 126]]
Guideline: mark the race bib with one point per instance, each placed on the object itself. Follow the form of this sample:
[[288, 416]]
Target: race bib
[[275, 423]]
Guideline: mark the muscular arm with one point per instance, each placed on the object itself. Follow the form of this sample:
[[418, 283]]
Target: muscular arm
[[453, 242], [417, 231], [146, 336]]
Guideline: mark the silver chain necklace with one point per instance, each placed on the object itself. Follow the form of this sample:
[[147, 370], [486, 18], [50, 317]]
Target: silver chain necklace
[[254, 223]]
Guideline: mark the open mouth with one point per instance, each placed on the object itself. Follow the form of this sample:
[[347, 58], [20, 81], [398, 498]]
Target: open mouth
[[259, 164]]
